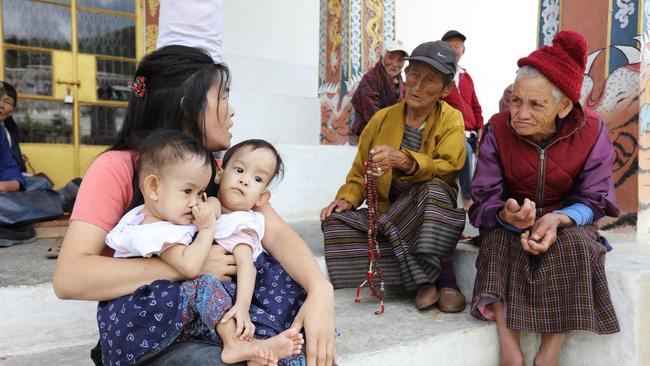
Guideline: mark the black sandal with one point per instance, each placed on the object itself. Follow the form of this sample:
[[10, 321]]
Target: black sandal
[[53, 251]]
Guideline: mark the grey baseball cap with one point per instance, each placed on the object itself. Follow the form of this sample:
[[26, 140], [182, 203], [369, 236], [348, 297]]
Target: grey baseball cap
[[436, 54]]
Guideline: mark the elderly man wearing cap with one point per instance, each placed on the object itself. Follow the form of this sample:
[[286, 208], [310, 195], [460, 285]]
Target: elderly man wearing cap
[[380, 87], [417, 149], [544, 175], [463, 97]]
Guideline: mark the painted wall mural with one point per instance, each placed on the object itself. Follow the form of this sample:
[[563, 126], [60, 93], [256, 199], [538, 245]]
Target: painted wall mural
[[151, 10], [549, 21], [611, 85], [352, 35], [643, 222]]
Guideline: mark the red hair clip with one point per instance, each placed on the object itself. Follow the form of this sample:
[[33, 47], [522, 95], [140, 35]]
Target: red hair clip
[[138, 86]]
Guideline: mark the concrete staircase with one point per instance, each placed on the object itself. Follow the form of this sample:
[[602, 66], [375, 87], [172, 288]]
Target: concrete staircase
[[36, 328]]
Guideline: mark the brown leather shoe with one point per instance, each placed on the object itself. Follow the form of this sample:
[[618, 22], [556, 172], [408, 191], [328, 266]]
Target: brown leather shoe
[[451, 300], [427, 296]]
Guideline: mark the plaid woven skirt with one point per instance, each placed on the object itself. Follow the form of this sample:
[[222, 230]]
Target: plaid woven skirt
[[562, 290], [422, 224]]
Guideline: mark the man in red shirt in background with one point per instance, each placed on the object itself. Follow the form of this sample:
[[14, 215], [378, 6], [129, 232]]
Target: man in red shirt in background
[[463, 97]]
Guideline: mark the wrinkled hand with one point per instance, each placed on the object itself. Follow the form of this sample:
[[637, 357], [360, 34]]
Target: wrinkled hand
[[335, 206], [479, 137], [385, 158], [521, 217], [542, 236], [316, 316], [219, 264], [245, 327], [204, 216]]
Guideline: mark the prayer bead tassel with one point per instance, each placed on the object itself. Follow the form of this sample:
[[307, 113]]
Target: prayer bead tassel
[[374, 254]]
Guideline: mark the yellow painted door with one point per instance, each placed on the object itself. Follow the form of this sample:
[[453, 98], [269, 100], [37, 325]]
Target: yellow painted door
[[70, 61]]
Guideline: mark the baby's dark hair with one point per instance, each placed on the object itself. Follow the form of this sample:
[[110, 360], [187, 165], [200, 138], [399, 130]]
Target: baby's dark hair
[[255, 144], [165, 146]]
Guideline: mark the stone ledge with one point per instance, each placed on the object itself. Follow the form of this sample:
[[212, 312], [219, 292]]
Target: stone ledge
[[425, 338], [39, 322]]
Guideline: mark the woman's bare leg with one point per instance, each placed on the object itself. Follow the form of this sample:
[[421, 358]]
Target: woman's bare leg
[[511, 354]]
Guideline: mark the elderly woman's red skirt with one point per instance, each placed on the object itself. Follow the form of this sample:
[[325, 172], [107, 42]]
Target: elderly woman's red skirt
[[562, 290]]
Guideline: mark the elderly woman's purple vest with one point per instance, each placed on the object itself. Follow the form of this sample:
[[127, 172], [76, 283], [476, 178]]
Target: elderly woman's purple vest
[[545, 175]]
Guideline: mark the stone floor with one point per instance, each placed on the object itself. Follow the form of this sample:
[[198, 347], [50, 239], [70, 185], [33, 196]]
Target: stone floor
[[72, 356], [25, 264]]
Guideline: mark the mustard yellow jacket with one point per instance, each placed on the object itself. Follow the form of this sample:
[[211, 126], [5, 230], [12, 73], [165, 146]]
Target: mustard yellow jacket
[[441, 154]]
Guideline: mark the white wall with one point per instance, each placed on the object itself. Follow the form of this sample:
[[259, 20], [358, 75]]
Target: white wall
[[272, 50], [498, 34]]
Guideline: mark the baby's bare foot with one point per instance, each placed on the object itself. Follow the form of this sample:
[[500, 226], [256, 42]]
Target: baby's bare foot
[[284, 344], [255, 353], [270, 362]]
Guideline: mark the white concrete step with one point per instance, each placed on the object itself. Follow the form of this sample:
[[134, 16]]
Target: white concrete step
[[432, 338], [71, 356], [34, 323]]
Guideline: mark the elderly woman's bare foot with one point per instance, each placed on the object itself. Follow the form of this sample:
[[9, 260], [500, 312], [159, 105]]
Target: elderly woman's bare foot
[[512, 360], [284, 344], [549, 350], [542, 361], [239, 351]]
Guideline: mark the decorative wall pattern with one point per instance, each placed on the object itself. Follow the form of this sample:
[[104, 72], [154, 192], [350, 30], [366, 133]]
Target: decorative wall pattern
[[152, 13], [373, 38], [549, 21], [643, 223], [334, 102], [352, 38], [389, 20], [611, 86], [355, 35], [322, 47]]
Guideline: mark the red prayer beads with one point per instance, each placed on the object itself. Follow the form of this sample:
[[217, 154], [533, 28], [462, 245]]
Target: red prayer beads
[[374, 254]]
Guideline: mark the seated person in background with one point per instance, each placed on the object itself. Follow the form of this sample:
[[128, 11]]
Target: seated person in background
[[504, 102], [380, 87], [463, 97], [10, 178], [544, 175], [11, 181], [9, 100]]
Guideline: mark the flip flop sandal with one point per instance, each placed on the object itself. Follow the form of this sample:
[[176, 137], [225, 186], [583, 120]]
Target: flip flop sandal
[[55, 249], [466, 239]]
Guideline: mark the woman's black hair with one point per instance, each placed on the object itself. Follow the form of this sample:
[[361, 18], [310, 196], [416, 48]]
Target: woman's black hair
[[176, 82], [255, 144]]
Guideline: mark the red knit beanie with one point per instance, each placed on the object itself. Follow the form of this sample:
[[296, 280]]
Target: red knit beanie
[[563, 62]]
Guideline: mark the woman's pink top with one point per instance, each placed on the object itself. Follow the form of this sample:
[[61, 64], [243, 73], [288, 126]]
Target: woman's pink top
[[106, 191]]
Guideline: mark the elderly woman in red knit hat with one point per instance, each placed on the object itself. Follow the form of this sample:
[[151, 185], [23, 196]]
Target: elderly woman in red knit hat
[[543, 178]]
